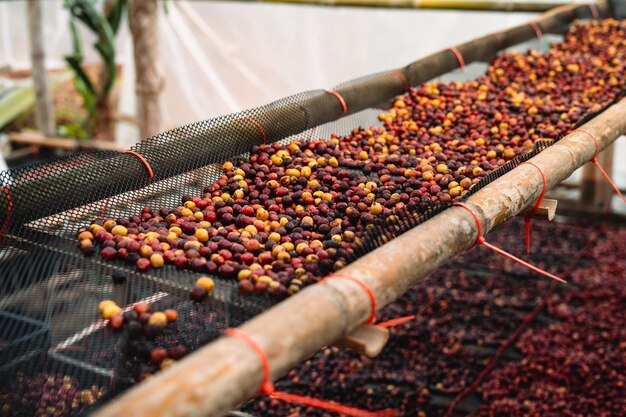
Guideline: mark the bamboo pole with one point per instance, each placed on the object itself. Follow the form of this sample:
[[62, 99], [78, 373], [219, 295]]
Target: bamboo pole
[[216, 378]]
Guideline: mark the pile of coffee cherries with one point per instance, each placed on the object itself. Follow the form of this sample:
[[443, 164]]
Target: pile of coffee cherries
[[147, 345], [576, 365], [292, 213], [570, 361], [46, 394]]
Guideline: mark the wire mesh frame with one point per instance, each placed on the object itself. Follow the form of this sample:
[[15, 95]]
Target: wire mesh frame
[[49, 240]]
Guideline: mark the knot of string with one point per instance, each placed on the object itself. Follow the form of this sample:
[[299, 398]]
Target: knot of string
[[344, 107], [480, 240], [268, 389], [532, 213], [365, 288], [259, 127], [458, 56], [143, 160], [594, 160], [537, 30]]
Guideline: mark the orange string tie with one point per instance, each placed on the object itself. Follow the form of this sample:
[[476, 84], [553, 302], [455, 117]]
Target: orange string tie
[[344, 107], [594, 160], [259, 127], [480, 240], [594, 11], [396, 322], [268, 389], [104, 208], [532, 213], [367, 289], [458, 56], [144, 161], [402, 78], [7, 221], [537, 30]]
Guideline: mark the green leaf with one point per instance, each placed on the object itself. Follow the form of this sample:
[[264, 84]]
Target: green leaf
[[114, 17], [80, 73], [77, 48]]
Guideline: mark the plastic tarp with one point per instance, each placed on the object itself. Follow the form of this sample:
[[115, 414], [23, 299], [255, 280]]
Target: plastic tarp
[[222, 57]]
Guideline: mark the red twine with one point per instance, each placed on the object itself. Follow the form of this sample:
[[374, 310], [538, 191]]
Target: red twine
[[104, 208], [458, 56], [528, 218], [7, 221], [341, 100], [594, 160], [267, 388], [259, 127], [143, 161], [537, 30], [481, 241], [403, 78], [367, 289], [395, 322]]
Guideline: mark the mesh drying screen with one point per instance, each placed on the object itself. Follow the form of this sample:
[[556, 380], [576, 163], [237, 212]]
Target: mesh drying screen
[[52, 343]]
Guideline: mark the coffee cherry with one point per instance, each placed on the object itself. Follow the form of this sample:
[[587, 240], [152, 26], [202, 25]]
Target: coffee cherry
[[198, 293], [158, 318], [207, 283]]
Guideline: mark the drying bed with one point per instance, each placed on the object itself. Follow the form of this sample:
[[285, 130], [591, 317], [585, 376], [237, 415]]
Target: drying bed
[[63, 288], [568, 358]]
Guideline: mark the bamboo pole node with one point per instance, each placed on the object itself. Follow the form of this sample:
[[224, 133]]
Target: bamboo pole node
[[534, 210], [367, 289]]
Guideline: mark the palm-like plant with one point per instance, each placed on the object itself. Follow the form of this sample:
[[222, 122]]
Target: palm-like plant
[[95, 95]]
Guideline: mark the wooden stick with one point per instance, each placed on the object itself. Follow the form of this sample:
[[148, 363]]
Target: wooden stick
[[366, 339], [219, 376], [40, 140], [545, 211]]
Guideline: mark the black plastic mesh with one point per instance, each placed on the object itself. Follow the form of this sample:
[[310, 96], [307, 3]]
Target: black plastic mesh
[[51, 338]]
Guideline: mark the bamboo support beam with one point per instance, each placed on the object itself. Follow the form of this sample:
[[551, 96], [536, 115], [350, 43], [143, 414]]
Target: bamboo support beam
[[219, 376]]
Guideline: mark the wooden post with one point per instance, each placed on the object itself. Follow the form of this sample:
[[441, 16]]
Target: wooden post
[[44, 117], [605, 191], [595, 191], [216, 378], [143, 19]]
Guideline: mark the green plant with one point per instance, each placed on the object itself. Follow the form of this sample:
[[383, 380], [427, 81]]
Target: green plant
[[95, 95]]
